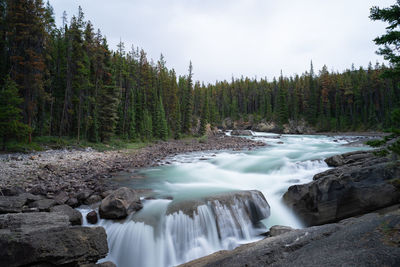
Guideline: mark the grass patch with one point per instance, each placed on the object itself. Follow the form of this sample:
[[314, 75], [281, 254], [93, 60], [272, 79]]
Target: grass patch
[[376, 143]]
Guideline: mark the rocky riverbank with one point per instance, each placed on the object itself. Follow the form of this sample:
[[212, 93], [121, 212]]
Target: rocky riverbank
[[78, 174]]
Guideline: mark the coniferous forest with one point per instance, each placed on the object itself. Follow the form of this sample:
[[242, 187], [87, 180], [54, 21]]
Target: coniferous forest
[[66, 82]]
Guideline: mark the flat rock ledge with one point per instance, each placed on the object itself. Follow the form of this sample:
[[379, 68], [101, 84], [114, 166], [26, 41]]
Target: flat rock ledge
[[360, 183], [48, 239], [371, 240]]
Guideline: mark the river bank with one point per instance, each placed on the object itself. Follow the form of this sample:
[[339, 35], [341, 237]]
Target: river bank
[[75, 171]]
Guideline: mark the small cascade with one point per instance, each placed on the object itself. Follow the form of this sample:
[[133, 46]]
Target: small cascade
[[215, 223]]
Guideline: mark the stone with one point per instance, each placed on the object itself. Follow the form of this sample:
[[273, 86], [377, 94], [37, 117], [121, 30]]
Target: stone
[[38, 190], [91, 217], [279, 230], [48, 242], [61, 198], [83, 195], [93, 199], [120, 203], [73, 202], [75, 217], [43, 204], [242, 132], [361, 184]]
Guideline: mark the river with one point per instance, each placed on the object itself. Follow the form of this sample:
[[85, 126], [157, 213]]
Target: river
[[152, 238]]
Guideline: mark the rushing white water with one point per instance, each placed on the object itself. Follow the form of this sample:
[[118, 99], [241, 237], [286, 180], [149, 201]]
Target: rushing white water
[[153, 238]]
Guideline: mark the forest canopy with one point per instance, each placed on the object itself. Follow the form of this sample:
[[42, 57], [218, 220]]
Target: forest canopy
[[66, 81]]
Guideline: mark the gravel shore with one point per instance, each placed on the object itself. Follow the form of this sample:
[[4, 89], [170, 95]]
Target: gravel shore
[[75, 171]]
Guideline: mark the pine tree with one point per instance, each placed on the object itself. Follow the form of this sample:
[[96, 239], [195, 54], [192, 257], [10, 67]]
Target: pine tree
[[10, 113]]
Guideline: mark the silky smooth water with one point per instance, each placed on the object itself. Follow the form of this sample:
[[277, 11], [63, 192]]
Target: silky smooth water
[[152, 238]]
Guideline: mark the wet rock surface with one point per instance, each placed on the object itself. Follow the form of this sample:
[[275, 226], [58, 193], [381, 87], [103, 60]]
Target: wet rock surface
[[120, 203], [371, 240], [360, 184]]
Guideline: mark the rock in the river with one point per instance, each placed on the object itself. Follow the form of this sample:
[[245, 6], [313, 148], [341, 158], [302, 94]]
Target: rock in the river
[[242, 132], [91, 217], [371, 240], [61, 198], [279, 230], [75, 217], [119, 204], [362, 183], [73, 202], [47, 239]]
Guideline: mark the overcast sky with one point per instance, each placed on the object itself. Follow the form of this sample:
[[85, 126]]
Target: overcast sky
[[225, 38]]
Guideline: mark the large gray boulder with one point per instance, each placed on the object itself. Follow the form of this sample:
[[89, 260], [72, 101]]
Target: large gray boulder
[[362, 183], [47, 239], [120, 203], [371, 240], [75, 217]]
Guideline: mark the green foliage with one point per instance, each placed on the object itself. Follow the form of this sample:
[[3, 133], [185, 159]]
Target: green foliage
[[376, 143], [11, 126], [390, 41], [395, 147], [381, 153]]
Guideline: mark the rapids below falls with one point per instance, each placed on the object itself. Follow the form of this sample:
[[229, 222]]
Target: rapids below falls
[[152, 237]]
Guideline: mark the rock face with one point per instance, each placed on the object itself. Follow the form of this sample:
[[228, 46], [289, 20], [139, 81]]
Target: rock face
[[119, 204], [371, 240], [362, 183], [47, 239]]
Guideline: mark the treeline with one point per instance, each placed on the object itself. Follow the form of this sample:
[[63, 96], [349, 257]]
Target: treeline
[[357, 99], [67, 82]]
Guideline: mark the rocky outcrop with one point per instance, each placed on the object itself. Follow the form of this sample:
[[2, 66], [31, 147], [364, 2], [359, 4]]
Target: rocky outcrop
[[47, 239], [360, 184], [119, 204], [371, 240]]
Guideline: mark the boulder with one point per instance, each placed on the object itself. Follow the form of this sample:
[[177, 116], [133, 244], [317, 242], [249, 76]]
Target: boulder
[[120, 203], [348, 158], [371, 240], [73, 202], [279, 230], [242, 132], [47, 239], [83, 195], [75, 217], [93, 199], [91, 217], [268, 127], [61, 198], [11, 191], [359, 185]]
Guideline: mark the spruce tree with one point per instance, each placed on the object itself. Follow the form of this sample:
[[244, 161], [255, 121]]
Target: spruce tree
[[10, 113]]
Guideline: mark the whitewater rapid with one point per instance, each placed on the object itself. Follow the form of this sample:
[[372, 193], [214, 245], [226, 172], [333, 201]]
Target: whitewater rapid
[[153, 238]]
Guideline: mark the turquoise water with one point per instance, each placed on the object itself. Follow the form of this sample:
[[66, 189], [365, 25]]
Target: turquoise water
[[152, 238]]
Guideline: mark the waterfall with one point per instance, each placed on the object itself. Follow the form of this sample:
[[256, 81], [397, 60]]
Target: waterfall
[[179, 237]]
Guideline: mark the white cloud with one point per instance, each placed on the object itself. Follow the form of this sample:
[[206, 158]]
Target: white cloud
[[240, 37]]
